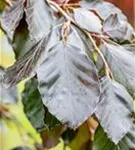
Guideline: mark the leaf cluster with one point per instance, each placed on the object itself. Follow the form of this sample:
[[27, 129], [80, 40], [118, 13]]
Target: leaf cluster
[[80, 57]]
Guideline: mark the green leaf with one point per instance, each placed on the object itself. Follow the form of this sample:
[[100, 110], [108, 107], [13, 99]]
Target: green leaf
[[7, 96], [50, 121], [121, 62], [39, 18], [68, 84], [12, 16], [49, 127], [118, 30], [114, 111], [101, 141], [87, 20], [33, 106]]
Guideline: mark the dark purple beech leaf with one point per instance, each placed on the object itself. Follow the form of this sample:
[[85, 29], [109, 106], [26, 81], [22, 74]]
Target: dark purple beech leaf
[[7, 96], [129, 47], [117, 29], [26, 65], [87, 20], [12, 16], [129, 139], [39, 18], [82, 40], [74, 38], [114, 110], [105, 9], [122, 64], [68, 84], [30, 57]]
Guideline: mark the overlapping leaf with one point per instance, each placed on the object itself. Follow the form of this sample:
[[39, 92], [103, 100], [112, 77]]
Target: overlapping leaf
[[116, 23], [67, 78], [114, 110], [33, 106], [87, 20], [129, 47], [129, 139], [28, 59], [101, 141], [68, 84], [82, 40], [118, 30], [39, 18], [122, 64], [26, 65], [105, 9], [49, 127], [12, 16], [74, 38]]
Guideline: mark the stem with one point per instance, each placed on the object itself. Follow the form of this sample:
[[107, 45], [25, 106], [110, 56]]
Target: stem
[[107, 68], [100, 36], [70, 4], [59, 9], [65, 30]]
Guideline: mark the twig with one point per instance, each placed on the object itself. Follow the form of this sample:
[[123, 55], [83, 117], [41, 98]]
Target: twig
[[70, 5], [65, 30], [107, 68], [59, 9]]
